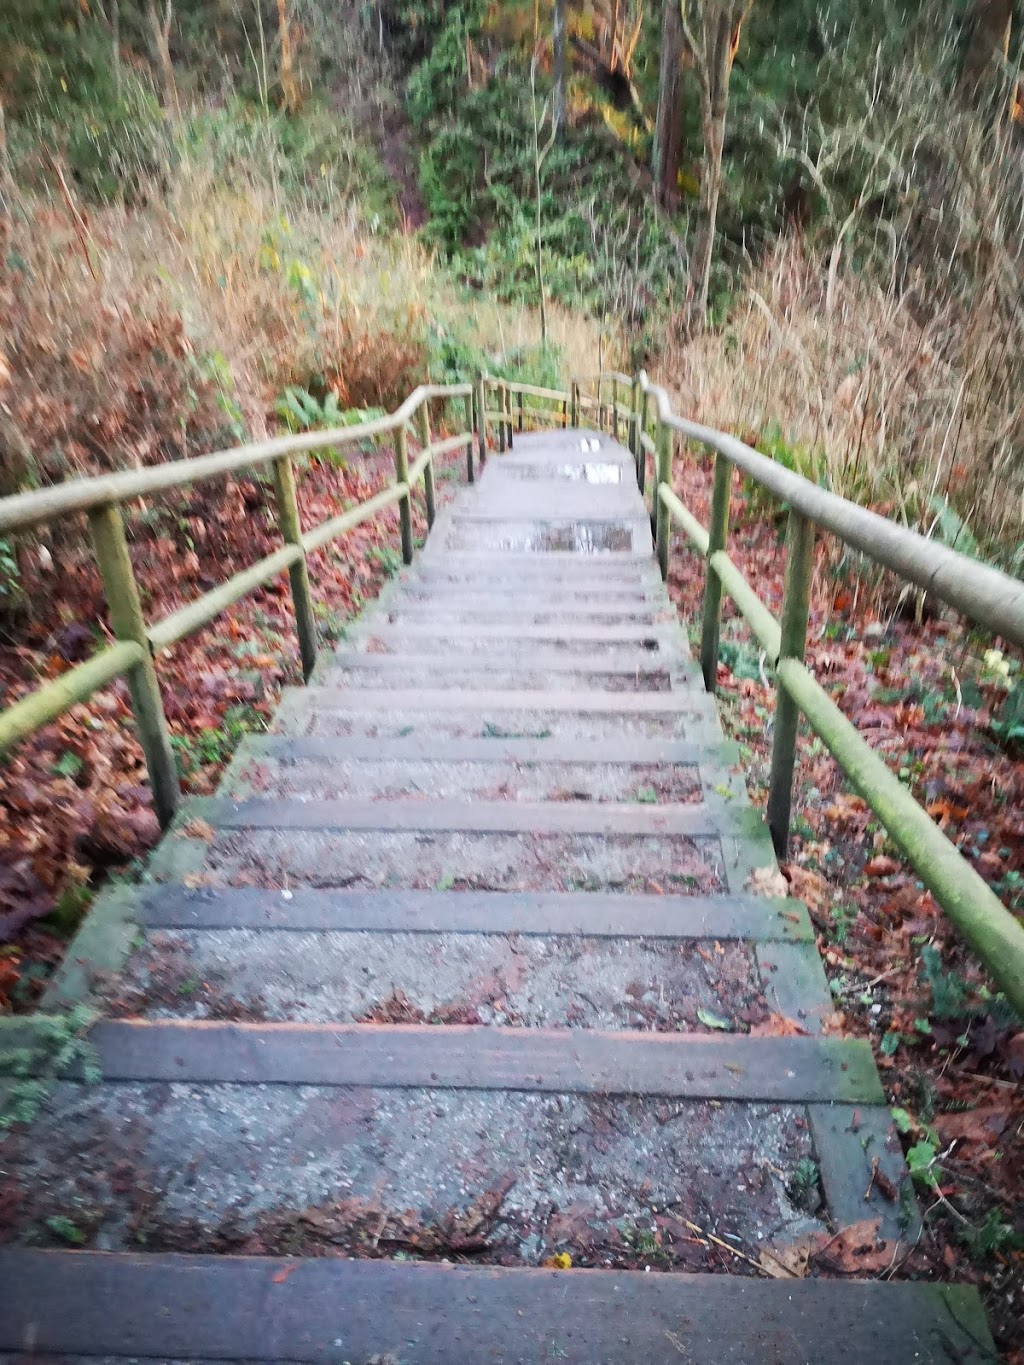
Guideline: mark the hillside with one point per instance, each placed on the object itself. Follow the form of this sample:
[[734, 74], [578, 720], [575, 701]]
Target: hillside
[[221, 221]]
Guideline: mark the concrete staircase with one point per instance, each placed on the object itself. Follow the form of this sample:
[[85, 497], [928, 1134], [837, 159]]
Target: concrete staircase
[[459, 1026]]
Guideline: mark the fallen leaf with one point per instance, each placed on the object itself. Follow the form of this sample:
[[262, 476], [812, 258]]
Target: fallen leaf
[[881, 867], [854, 1250], [710, 1020], [768, 881], [777, 1026], [198, 829], [983, 1125], [787, 1262], [560, 1261]]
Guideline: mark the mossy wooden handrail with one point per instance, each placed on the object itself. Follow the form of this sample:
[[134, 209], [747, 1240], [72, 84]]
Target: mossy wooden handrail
[[137, 643], [982, 593]]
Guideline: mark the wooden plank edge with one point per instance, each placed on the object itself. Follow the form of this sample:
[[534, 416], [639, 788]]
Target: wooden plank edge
[[233, 1308], [784, 1070], [551, 914]]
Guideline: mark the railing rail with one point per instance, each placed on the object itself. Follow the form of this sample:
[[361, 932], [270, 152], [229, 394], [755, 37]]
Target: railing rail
[[101, 498], [981, 592]]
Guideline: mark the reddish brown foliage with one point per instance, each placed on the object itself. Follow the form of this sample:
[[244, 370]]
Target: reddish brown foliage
[[959, 1075]]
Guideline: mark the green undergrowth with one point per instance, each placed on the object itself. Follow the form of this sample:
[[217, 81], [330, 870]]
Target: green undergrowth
[[57, 1048]]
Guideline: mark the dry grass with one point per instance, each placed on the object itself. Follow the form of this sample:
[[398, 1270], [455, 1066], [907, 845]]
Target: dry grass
[[889, 408], [142, 334]]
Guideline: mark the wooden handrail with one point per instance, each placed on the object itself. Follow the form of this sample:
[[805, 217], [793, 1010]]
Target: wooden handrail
[[981, 592], [78, 495], [132, 656]]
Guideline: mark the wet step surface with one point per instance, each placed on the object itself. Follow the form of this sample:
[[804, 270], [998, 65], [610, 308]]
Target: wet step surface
[[444, 860]]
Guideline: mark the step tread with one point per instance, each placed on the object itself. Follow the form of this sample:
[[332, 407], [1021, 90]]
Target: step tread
[[590, 914], [696, 820], [661, 631], [235, 1308], [420, 748], [498, 661], [782, 1069], [694, 703]]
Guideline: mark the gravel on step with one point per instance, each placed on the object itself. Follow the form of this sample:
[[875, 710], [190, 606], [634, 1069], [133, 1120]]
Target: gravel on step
[[465, 861], [465, 978], [502, 1176]]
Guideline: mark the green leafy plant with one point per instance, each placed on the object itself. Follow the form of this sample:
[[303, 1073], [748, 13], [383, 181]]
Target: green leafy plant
[[59, 1048], [10, 578], [803, 1187], [193, 752], [950, 997], [991, 1235], [385, 557], [922, 1163], [64, 1228]]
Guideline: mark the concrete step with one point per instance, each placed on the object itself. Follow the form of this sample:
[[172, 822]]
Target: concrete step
[[405, 611], [445, 595], [593, 572], [661, 637], [500, 536], [496, 673], [450, 714], [696, 820], [274, 766], [288, 856], [484, 845], [200, 1308], [523, 645], [535, 981], [516, 750], [211, 1135]]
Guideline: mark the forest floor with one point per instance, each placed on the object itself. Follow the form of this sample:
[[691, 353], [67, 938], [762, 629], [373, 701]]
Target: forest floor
[[951, 1055]]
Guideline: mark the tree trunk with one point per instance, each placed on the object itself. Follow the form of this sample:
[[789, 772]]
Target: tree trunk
[[290, 93], [990, 42], [559, 57], [668, 124], [161, 34], [721, 23]]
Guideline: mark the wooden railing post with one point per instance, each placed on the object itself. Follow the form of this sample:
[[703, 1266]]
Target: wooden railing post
[[481, 420], [501, 416], [428, 473], [508, 415], [634, 418], [718, 535], [471, 429], [795, 609], [520, 410], [641, 459], [110, 546], [600, 406], [565, 414], [574, 389], [662, 525], [298, 574], [405, 502]]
